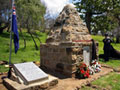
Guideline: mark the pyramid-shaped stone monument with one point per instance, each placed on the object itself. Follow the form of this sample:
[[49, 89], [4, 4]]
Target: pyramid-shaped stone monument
[[68, 43]]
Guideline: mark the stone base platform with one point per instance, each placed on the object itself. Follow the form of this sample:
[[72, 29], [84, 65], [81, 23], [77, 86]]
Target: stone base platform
[[47, 84]]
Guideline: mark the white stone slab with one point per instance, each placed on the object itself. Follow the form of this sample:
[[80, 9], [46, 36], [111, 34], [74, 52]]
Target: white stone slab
[[29, 72], [86, 55]]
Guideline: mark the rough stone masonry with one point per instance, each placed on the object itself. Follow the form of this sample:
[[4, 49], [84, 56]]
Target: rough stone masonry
[[64, 47]]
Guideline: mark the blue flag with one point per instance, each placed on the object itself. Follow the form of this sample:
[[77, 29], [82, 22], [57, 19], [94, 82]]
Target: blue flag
[[14, 29]]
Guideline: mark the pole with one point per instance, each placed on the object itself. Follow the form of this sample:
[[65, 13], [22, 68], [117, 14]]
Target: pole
[[10, 45], [11, 38], [9, 72]]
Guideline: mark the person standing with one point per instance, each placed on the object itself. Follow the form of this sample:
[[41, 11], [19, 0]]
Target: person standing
[[107, 47]]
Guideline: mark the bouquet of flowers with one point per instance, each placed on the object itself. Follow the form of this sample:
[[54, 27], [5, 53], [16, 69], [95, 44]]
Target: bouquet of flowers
[[82, 71], [95, 67]]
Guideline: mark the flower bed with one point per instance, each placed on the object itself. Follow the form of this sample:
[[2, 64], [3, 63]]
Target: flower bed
[[82, 71], [95, 67]]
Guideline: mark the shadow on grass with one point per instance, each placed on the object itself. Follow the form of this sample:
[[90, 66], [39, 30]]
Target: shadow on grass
[[5, 35]]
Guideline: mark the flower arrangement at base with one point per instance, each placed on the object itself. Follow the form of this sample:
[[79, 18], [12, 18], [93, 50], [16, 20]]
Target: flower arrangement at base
[[82, 71], [95, 67]]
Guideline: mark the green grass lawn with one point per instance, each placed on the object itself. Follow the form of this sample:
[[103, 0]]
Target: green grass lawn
[[112, 62], [23, 55], [108, 82], [111, 81]]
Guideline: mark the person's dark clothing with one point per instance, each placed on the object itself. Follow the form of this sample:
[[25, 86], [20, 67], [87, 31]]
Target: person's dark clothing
[[107, 48], [114, 53]]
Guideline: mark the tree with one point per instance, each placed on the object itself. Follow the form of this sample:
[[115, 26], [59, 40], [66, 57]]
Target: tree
[[5, 11], [95, 14], [30, 15], [115, 13]]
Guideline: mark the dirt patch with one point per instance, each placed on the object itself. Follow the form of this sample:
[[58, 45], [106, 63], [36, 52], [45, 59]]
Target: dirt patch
[[72, 83]]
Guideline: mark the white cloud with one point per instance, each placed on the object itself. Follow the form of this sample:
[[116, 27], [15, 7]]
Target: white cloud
[[54, 7]]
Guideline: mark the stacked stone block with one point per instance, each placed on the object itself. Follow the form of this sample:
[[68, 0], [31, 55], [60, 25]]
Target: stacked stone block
[[62, 57]]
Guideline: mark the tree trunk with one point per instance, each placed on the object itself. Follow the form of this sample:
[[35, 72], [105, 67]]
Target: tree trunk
[[28, 28], [88, 17], [36, 47], [2, 28], [8, 29], [117, 39], [1, 31], [118, 30], [38, 38], [23, 38]]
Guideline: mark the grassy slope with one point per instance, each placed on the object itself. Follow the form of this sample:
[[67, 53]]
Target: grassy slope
[[111, 81], [23, 55], [112, 62], [108, 82]]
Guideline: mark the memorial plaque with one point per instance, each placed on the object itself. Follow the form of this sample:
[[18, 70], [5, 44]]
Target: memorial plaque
[[86, 55], [29, 72]]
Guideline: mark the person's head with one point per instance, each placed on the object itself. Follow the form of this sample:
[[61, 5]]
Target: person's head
[[106, 35]]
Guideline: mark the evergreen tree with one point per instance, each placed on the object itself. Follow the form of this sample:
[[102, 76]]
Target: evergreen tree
[[96, 14]]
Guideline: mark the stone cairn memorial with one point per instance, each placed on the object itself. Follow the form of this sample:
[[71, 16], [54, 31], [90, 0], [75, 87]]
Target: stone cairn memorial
[[68, 44]]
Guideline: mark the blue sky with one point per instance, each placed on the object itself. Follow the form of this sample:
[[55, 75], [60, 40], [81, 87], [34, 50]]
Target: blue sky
[[70, 1]]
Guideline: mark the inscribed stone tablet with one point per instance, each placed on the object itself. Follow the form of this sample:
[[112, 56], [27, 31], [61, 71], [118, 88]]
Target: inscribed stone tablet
[[29, 72], [86, 55]]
